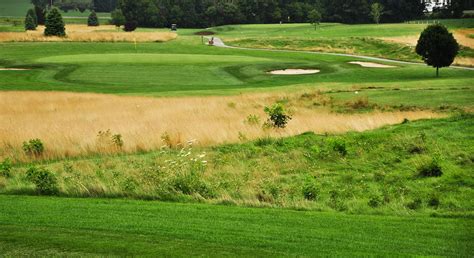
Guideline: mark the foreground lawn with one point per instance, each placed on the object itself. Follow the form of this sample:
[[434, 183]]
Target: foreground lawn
[[56, 226]]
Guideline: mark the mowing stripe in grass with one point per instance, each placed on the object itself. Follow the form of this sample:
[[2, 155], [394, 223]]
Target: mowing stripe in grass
[[57, 226]]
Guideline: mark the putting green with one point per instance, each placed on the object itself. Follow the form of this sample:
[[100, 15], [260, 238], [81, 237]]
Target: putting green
[[166, 59], [160, 71]]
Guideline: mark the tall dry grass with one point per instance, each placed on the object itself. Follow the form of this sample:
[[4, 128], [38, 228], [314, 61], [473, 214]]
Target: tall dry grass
[[83, 33], [68, 123], [462, 36]]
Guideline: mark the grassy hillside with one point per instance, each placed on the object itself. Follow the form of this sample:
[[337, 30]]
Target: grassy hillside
[[85, 227], [384, 171], [367, 39]]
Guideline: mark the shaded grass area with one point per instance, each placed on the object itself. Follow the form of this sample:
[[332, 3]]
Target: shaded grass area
[[122, 227], [377, 172]]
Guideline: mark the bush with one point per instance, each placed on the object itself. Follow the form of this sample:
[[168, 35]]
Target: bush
[[278, 117], [5, 168], [310, 190], [339, 145], [54, 24], [34, 147], [415, 204], [430, 169], [375, 201], [93, 20], [44, 180]]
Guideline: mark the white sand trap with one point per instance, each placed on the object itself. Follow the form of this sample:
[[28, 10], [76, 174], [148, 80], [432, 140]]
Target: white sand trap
[[13, 69], [294, 71], [372, 65]]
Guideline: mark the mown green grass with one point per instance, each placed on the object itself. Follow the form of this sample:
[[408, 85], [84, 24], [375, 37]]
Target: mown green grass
[[172, 68], [18, 8], [83, 227], [14, 8]]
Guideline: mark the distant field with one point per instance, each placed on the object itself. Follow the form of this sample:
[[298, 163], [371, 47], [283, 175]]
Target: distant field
[[41, 226], [366, 39], [14, 8], [18, 8]]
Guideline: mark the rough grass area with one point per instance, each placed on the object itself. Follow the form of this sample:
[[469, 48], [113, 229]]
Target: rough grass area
[[71, 130], [355, 45], [417, 167], [40, 226]]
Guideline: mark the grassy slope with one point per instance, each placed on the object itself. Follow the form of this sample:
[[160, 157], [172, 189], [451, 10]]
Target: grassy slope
[[341, 38], [120, 227], [379, 173]]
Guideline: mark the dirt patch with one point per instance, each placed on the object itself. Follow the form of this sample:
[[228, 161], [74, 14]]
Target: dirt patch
[[83, 33], [68, 123], [371, 65], [294, 72], [14, 69], [205, 33]]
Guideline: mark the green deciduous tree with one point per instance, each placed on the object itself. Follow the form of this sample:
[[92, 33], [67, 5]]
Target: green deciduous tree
[[93, 20], [437, 46], [376, 11], [314, 17], [117, 18], [54, 24]]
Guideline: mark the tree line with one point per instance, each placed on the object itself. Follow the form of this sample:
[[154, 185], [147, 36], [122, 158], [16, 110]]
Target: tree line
[[208, 13]]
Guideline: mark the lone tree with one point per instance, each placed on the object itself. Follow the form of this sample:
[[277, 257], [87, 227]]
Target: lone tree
[[314, 17], [376, 10], [117, 18], [54, 24], [32, 13], [29, 23], [93, 20], [437, 47]]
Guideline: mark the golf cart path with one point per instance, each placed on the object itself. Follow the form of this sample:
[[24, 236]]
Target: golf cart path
[[219, 43]]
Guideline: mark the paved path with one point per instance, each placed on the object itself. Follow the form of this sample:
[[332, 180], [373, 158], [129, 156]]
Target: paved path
[[219, 43]]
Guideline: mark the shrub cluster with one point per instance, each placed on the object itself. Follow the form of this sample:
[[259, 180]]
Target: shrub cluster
[[33, 147], [44, 180], [278, 116]]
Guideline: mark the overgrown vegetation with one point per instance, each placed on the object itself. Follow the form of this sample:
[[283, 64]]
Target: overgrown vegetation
[[421, 167]]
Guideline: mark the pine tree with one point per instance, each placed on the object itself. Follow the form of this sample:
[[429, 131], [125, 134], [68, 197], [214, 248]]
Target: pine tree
[[29, 23], [93, 20], [54, 24], [32, 13]]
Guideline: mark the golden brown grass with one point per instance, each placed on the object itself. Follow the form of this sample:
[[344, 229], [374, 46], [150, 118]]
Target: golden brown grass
[[68, 123], [83, 33], [462, 36]]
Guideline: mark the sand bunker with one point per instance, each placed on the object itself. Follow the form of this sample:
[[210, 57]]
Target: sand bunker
[[294, 71], [13, 69], [372, 65]]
